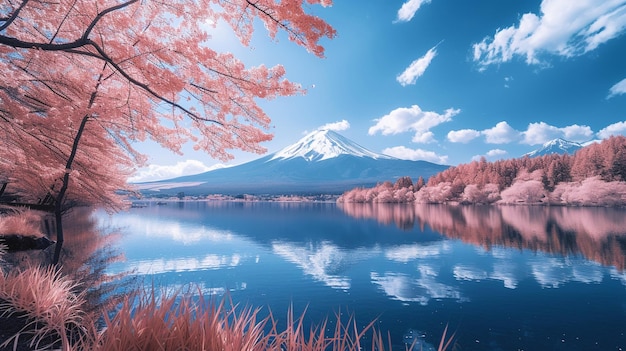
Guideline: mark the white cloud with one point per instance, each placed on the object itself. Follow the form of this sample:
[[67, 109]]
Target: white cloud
[[507, 80], [424, 137], [409, 8], [618, 128], [496, 152], [405, 153], [564, 27], [417, 68], [160, 172], [405, 119], [539, 133], [536, 133], [617, 89], [577, 133], [336, 126], [502, 133], [463, 135]]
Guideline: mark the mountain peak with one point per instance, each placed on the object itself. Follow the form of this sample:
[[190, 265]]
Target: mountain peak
[[325, 144], [556, 146]]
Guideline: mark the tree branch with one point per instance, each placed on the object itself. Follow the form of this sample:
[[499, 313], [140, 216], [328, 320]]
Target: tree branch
[[13, 16], [280, 24], [103, 56], [104, 13]]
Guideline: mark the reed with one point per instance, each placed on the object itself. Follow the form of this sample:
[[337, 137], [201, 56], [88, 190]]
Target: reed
[[49, 302], [171, 322], [150, 320]]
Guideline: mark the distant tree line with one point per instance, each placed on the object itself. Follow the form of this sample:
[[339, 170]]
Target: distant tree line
[[594, 175]]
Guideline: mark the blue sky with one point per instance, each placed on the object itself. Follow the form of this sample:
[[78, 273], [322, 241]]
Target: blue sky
[[442, 80]]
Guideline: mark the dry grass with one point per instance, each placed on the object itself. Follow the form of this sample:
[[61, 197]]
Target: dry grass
[[152, 321], [183, 323], [21, 222], [49, 302], [54, 315]]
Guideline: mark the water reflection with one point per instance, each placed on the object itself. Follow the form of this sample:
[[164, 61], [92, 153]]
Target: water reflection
[[598, 234], [88, 251], [509, 275], [323, 263], [177, 229], [421, 287], [408, 253], [184, 264]]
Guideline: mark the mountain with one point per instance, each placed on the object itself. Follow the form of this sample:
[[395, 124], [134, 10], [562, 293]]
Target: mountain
[[321, 162], [556, 146], [325, 144]]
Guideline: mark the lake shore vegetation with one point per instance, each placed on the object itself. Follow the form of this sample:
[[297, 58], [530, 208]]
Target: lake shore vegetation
[[74, 306], [594, 176], [50, 311]]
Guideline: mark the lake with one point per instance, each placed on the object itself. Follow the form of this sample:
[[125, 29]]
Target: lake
[[503, 278]]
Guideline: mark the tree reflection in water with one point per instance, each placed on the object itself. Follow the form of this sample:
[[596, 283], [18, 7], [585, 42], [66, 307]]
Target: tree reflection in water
[[596, 233], [87, 252]]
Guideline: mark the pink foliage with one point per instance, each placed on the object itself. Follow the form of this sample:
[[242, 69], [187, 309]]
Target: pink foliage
[[130, 71], [527, 189], [21, 223], [591, 192], [438, 194], [599, 172]]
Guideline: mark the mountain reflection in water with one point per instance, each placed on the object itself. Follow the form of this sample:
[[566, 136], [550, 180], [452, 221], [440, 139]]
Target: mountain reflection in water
[[507, 278], [598, 234]]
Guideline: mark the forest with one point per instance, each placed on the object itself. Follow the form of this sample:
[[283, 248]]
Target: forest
[[594, 176]]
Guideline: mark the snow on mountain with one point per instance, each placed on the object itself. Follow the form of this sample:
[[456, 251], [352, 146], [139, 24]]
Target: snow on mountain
[[325, 144], [556, 146], [321, 162]]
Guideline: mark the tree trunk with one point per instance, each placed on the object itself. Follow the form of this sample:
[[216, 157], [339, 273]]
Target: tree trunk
[[58, 204], [60, 198]]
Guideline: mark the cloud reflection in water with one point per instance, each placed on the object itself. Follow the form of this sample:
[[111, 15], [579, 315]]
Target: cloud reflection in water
[[422, 288], [184, 264], [323, 261], [185, 232]]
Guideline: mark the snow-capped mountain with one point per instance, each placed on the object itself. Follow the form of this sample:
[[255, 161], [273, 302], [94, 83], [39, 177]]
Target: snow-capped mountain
[[321, 162], [324, 144], [556, 146]]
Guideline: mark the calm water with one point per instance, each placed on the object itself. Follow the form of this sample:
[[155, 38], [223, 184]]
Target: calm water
[[505, 278]]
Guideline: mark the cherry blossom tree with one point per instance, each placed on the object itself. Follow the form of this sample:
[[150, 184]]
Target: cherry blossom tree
[[527, 189], [590, 192], [82, 80]]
